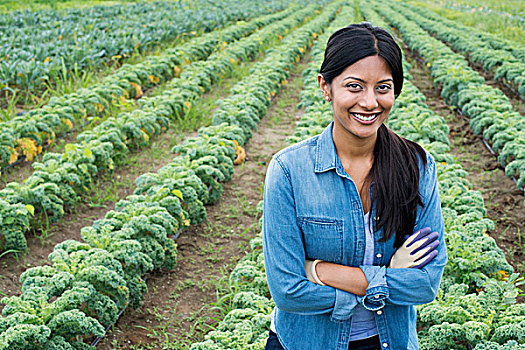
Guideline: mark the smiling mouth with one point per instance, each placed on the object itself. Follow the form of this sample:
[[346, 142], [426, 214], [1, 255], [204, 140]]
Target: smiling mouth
[[366, 117]]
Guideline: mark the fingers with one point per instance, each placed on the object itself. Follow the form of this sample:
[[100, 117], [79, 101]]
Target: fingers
[[430, 239], [417, 250], [417, 236], [426, 260], [410, 240], [420, 254], [425, 230], [424, 256]]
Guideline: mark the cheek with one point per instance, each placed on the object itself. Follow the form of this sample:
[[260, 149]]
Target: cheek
[[387, 101], [345, 100]]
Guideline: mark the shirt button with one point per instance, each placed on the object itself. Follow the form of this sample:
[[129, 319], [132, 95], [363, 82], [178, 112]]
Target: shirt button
[[380, 312], [379, 255], [385, 345]]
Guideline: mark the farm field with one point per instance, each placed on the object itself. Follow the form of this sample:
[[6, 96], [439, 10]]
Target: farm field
[[131, 199]]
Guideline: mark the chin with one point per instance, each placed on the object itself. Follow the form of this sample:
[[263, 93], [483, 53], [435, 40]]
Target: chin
[[363, 131]]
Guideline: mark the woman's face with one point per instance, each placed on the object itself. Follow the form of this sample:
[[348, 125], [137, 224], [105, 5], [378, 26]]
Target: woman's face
[[362, 96]]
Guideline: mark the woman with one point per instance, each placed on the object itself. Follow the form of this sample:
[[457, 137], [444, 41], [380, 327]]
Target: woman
[[339, 279]]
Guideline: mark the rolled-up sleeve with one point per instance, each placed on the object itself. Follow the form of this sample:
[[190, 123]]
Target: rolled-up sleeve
[[377, 291], [413, 286], [284, 255]]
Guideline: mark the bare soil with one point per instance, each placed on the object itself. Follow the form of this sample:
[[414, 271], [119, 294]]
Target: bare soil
[[504, 201]]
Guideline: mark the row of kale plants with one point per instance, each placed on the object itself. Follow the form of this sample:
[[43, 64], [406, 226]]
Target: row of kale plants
[[505, 60], [70, 301], [489, 110], [38, 48], [247, 324], [475, 307], [25, 136], [61, 179]]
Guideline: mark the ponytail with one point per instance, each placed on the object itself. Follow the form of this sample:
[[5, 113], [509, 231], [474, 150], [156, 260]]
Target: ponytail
[[395, 172]]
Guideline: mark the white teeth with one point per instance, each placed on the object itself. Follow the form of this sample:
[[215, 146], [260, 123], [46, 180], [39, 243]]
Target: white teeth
[[365, 118]]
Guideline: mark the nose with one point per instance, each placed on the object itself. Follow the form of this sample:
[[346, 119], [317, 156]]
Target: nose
[[368, 100]]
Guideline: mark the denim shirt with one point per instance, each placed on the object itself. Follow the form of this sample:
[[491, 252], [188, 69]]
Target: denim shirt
[[312, 210]]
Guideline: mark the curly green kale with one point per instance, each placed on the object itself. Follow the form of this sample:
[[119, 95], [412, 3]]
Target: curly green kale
[[24, 337], [253, 301]]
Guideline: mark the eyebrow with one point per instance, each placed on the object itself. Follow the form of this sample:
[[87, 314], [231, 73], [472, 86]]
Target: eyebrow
[[361, 80]]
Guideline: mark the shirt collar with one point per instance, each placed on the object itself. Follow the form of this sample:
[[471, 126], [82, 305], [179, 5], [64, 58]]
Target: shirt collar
[[325, 155]]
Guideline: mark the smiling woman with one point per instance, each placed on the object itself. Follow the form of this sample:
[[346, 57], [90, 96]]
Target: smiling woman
[[339, 209]]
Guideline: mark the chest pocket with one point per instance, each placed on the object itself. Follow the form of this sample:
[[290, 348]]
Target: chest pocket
[[323, 238]]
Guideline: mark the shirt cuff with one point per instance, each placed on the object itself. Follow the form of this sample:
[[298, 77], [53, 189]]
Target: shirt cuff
[[377, 291], [344, 306]]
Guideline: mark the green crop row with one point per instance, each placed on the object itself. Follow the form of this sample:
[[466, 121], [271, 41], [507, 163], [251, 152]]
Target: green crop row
[[60, 180], [246, 326], [26, 135], [505, 63], [70, 301], [37, 48], [207, 155], [237, 116], [489, 110]]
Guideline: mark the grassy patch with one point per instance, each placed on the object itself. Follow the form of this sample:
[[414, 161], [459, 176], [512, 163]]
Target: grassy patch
[[505, 26]]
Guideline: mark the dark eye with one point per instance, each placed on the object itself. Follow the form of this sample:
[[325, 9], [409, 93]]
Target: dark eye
[[384, 88], [353, 85]]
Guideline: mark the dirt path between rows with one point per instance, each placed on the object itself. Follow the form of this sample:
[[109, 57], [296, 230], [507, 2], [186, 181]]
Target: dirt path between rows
[[182, 303], [504, 201]]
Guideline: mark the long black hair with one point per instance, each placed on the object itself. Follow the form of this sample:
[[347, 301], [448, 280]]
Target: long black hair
[[395, 169]]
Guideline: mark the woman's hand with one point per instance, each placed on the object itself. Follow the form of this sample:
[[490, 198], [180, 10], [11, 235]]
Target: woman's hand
[[417, 251]]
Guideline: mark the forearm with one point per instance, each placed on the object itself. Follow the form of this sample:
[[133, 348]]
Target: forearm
[[416, 286], [349, 279]]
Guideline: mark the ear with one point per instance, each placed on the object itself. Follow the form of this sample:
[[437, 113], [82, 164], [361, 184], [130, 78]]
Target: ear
[[325, 87]]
